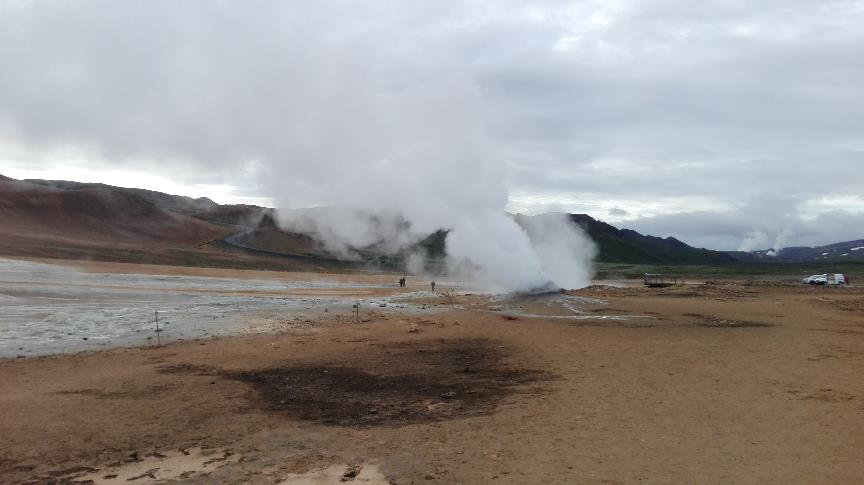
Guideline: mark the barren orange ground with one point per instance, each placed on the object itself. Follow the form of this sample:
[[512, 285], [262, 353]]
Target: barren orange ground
[[723, 383]]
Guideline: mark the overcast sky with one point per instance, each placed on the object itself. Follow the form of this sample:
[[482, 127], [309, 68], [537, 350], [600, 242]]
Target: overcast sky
[[728, 124]]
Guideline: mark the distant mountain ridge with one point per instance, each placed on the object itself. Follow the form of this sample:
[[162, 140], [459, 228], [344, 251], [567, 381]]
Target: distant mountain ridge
[[628, 246], [72, 220], [616, 245], [848, 251], [49, 218], [174, 203]]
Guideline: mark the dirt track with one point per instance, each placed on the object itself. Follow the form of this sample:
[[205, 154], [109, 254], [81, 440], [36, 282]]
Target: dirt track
[[721, 384]]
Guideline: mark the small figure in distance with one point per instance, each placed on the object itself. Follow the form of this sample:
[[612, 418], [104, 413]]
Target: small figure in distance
[[433, 286]]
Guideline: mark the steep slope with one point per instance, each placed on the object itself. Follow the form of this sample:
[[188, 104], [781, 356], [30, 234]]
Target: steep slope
[[98, 214], [59, 219], [628, 246]]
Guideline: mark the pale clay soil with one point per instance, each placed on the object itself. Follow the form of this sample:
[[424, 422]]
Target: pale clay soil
[[718, 383]]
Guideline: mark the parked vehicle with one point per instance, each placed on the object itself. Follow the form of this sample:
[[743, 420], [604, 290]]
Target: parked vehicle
[[827, 279]]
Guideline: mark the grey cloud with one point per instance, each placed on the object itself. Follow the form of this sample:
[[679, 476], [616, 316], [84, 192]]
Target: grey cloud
[[772, 222], [731, 102]]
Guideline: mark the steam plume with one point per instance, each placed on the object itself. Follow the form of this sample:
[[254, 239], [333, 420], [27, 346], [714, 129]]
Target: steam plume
[[417, 163], [359, 108]]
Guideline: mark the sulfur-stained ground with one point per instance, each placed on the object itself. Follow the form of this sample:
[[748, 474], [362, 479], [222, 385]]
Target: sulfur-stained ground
[[702, 383]]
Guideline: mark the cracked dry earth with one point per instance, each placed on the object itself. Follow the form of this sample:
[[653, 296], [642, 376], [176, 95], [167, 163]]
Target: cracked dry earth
[[721, 384]]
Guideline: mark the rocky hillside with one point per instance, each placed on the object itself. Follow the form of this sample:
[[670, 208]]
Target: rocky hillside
[[627, 246], [60, 219], [71, 219]]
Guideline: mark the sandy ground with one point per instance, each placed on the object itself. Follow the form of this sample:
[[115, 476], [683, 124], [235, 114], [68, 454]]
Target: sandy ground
[[703, 383]]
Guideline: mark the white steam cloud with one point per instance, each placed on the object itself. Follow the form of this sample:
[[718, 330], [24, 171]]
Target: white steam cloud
[[394, 150], [565, 251], [361, 109]]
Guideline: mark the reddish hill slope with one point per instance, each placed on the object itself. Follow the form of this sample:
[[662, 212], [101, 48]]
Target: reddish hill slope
[[58, 219], [95, 214], [62, 219]]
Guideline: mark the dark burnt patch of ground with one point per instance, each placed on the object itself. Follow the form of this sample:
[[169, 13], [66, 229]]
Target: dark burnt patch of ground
[[395, 384]]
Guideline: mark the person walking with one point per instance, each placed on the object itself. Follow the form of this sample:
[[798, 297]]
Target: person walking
[[433, 286]]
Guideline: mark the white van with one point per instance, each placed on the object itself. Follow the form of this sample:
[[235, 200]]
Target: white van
[[827, 279]]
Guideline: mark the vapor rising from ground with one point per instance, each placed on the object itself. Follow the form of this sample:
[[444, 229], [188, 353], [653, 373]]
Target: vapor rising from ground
[[397, 150], [318, 100]]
